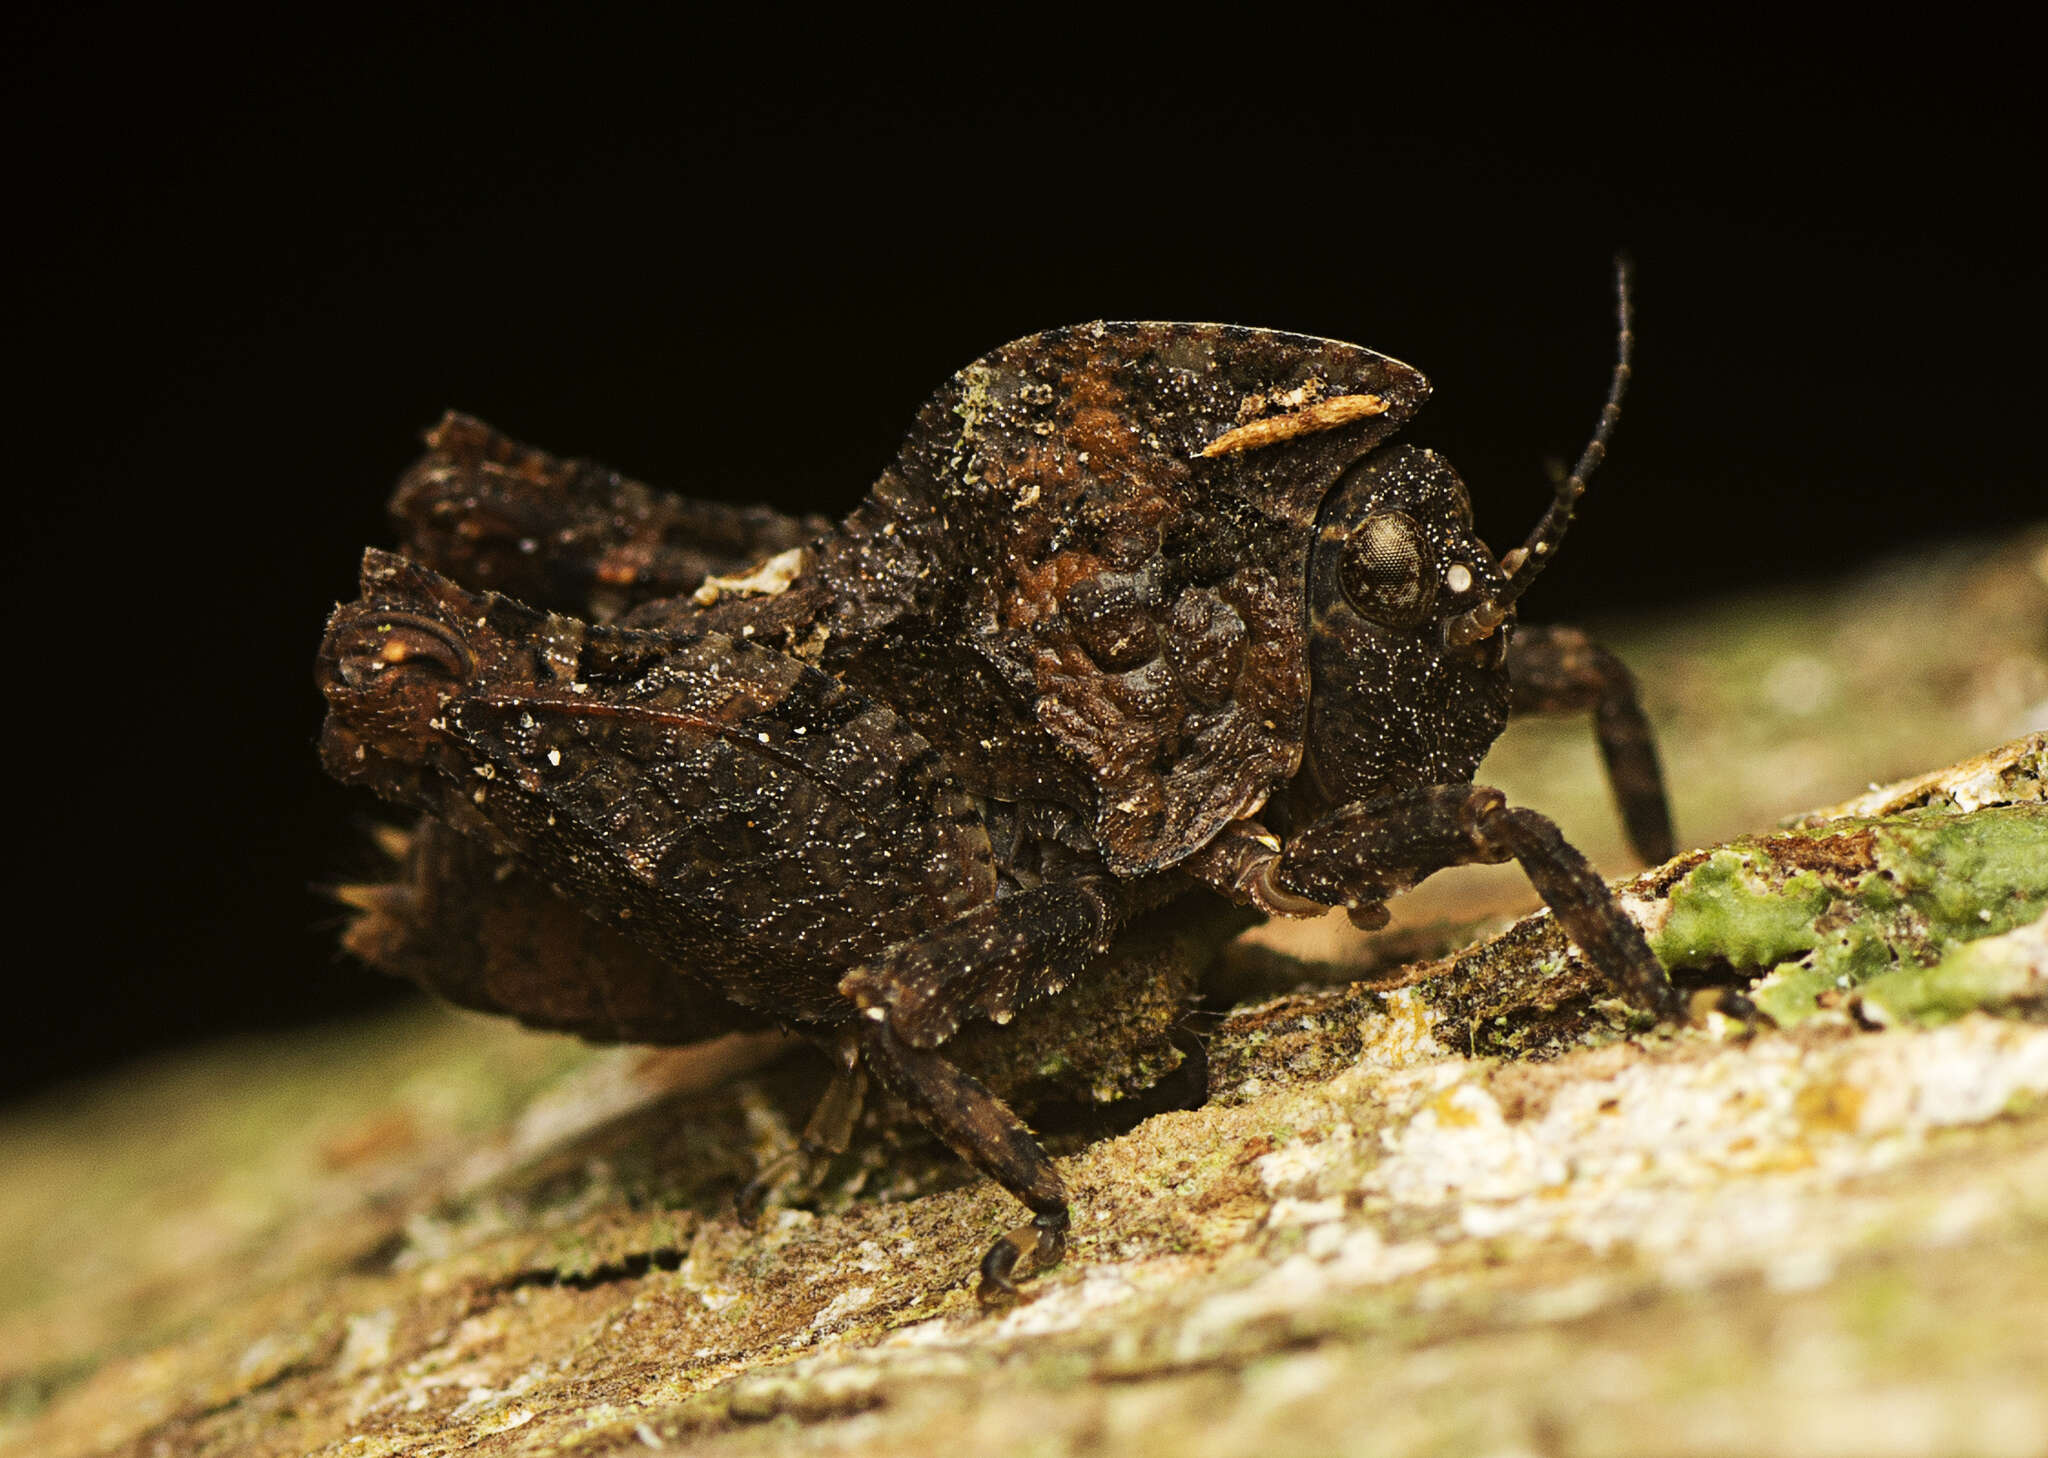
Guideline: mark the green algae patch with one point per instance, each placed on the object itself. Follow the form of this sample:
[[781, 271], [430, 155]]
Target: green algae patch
[[1734, 909], [1994, 971], [1885, 908]]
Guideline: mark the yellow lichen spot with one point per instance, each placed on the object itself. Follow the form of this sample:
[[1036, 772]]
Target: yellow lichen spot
[[1789, 1159], [1834, 1108], [1403, 1034], [1451, 1111]]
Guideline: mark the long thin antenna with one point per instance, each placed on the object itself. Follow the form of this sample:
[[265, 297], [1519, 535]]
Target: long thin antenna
[[1524, 563]]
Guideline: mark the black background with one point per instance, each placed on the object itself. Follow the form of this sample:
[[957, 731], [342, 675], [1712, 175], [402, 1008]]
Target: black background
[[254, 263]]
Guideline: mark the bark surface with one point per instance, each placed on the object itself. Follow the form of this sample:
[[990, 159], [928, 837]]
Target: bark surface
[[1443, 1197]]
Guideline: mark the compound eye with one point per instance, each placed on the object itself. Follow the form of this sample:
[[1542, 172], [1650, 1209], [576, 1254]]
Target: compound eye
[[1386, 570]]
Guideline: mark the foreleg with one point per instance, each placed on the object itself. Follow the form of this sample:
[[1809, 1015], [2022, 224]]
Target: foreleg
[[1363, 853]]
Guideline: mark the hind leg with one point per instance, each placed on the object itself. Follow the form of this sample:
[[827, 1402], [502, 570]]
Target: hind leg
[[795, 1174], [464, 923], [571, 536]]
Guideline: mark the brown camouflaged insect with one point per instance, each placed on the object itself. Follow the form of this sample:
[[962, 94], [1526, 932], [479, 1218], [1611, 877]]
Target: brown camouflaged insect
[[1139, 611]]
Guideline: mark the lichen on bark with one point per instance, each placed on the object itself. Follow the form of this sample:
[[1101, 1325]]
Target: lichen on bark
[[1873, 912]]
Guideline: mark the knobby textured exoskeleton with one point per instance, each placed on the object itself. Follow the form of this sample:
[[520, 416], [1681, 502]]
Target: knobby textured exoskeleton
[[1139, 609]]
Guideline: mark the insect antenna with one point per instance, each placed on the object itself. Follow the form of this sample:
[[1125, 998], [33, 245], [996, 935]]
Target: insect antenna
[[1524, 563]]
